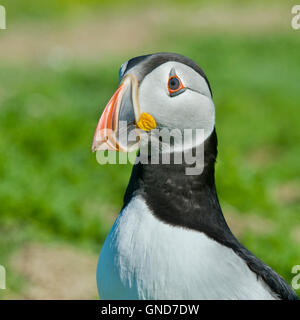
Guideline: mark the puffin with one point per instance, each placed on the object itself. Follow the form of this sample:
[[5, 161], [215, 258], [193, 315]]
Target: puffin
[[170, 240]]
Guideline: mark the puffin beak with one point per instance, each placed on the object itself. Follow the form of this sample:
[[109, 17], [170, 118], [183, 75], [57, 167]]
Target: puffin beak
[[123, 106]]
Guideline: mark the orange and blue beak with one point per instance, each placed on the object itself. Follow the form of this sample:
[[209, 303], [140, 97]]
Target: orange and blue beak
[[123, 106]]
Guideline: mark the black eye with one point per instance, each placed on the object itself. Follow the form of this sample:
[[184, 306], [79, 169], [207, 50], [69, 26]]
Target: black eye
[[174, 83]]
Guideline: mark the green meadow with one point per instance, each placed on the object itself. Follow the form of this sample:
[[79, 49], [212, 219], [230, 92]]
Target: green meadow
[[53, 191]]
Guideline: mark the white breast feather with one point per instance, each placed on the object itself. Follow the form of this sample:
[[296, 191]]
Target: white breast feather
[[145, 258]]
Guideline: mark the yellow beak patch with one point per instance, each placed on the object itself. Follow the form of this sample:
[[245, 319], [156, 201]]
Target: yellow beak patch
[[146, 122]]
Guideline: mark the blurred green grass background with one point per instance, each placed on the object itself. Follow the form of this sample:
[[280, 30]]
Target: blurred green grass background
[[53, 89]]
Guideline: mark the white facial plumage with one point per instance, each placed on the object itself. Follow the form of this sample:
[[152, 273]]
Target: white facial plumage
[[191, 109]]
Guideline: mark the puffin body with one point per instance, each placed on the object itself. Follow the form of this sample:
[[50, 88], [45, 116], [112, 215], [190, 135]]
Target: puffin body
[[145, 258], [170, 240]]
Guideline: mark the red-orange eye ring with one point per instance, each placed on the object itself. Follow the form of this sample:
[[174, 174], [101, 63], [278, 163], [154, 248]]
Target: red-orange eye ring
[[174, 84]]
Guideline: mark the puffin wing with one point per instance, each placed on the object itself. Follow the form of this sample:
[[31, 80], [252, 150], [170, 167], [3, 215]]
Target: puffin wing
[[278, 286]]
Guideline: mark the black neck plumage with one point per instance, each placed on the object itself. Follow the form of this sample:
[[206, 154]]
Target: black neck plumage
[[178, 199]]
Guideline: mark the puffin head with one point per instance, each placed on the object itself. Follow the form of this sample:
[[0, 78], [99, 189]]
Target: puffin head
[[156, 91]]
